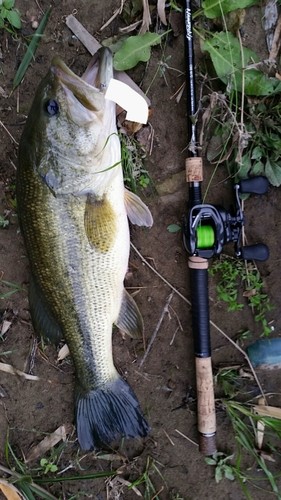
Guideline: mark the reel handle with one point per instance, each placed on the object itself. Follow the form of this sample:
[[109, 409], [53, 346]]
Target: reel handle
[[255, 185], [206, 413], [259, 251]]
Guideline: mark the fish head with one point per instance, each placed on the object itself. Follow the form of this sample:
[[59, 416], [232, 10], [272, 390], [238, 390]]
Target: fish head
[[70, 126], [81, 100]]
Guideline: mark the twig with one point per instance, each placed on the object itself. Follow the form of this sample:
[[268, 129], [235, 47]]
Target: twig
[[40, 8], [180, 325], [168, 437], [244, 354], [32, 356], [211, 322], [179, 91], [159, 275], [165, 310], [174, 336], [158, 493], [185, 437], [142, 375], [116, 13], [9, 133]]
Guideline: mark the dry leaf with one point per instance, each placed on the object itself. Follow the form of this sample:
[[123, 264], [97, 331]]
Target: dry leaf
[[4, 367], [161, 11], [112, 457], [10, 491], [49, 442], [244, 374], [5, 326], [3, 93], [146, 19], [127, 127], [63, 353], [260, 433], [249, 293], [265, 455]]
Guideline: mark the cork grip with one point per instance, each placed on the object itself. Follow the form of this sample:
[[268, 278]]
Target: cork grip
[[205, 406], [194, 169]]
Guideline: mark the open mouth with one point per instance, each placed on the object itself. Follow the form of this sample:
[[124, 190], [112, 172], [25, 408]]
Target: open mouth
[[85, 95], [95, 79]]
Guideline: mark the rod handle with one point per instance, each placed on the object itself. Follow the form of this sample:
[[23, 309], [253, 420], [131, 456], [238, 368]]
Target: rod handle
[[206, 412]]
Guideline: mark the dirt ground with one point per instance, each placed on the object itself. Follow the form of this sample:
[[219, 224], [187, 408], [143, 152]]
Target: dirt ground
[[165, 383]]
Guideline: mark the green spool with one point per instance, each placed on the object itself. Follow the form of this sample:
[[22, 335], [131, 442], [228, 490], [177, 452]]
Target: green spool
[[205, 236]]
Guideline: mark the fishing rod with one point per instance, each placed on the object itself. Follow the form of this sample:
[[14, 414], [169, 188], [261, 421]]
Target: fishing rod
[[206, 229]]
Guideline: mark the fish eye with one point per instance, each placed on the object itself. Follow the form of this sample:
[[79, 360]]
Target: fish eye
[[52, 107]]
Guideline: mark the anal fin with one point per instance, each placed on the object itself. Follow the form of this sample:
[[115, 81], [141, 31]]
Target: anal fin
[[130, 319]]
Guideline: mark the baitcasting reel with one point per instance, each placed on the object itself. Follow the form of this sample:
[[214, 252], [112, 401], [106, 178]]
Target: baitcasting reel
[[207, 228]]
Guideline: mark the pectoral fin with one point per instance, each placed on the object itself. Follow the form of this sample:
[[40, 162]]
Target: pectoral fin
[[100, 223], [43, 323], [138, 213], [130, 320]]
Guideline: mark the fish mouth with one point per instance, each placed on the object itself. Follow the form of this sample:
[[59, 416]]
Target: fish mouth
[[100, 69], [88, 90]]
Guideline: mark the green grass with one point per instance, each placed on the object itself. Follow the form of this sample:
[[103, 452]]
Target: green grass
[[244, 423], [135, 174], [29, 481], [15, 288], [231, 274], [3, 222], [152, 466]]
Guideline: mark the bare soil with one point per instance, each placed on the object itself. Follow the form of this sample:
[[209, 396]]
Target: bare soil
[[165, 383]]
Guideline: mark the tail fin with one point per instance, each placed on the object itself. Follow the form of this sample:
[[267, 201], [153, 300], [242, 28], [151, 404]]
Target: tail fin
[[108, 413]]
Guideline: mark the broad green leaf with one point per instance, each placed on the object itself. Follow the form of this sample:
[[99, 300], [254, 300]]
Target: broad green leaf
[[218, 474], [31, 49], [14, 19], [215, 8], [134, 50], [114, 43], [225, 52], [9, 4], [210, 461], [273, 172], [173, 228], [257, 168], [228, 473], [273, 141], [257, 153], [245, 168], [3, 13], [217, 144]]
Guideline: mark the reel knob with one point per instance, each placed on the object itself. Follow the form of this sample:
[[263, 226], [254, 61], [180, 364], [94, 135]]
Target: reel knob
[[255, 185], [259, 251]]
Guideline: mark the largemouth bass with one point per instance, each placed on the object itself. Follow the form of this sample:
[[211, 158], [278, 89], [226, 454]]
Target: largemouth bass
[[73, 211]]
